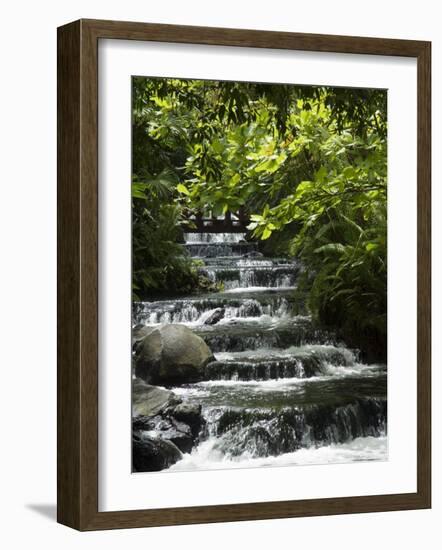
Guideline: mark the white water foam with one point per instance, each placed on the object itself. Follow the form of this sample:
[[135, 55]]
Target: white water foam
[[276, 353], [190, 317], [362, 449]]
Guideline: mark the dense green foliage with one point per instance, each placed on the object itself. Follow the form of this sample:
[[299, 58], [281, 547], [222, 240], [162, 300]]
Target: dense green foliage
[[159, 263], [307, 163]]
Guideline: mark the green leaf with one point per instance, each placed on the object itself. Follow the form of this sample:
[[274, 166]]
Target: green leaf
[[321, 174], [182, 189], [217, 146], [266, 233], [304, 186], [336, 248]]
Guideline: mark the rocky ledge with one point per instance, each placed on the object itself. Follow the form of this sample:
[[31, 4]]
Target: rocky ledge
[[163, 428]]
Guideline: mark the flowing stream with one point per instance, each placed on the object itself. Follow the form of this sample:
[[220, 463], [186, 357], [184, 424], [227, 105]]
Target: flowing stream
[[281, 391]]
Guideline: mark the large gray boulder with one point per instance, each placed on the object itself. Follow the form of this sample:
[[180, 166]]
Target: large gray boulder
[[150, 400], [171, 355]]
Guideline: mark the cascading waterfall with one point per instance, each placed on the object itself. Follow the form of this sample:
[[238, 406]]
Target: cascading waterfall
[[281, 391]]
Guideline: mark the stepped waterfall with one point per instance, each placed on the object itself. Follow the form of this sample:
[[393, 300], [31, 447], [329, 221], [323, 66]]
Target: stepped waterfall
[[280, 391]]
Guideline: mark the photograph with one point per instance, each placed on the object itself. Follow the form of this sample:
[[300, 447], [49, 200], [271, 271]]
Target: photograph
[[259, 274], [227, 241]]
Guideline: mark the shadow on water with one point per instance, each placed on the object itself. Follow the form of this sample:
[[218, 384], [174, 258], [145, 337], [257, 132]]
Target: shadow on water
[[49, 511]]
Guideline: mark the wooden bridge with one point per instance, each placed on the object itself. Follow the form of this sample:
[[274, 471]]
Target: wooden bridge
[[231, 222]]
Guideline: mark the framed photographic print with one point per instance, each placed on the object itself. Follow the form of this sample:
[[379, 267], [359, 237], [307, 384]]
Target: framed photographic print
[[244, 275]]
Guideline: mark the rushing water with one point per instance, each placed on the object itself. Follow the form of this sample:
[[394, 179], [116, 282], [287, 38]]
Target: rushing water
[[281, 391]]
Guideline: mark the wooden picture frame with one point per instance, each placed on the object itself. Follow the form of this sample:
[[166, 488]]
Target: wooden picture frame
[[78, 274]]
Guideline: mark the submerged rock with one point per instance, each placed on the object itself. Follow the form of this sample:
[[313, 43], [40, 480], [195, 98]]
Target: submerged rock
[[149, 400], [171, 355], [251, 308], [254, 254], [215, 316], [150, 454]]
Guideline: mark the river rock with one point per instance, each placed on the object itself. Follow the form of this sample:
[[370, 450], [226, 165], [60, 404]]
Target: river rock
[[150, 454], [254, 254], [149, 400], [180, 434], [252, 308], [216, 316], [172, 355], [167, 429], [190, 414]]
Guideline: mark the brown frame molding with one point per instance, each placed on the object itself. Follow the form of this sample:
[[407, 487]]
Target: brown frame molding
[[77, 459]]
